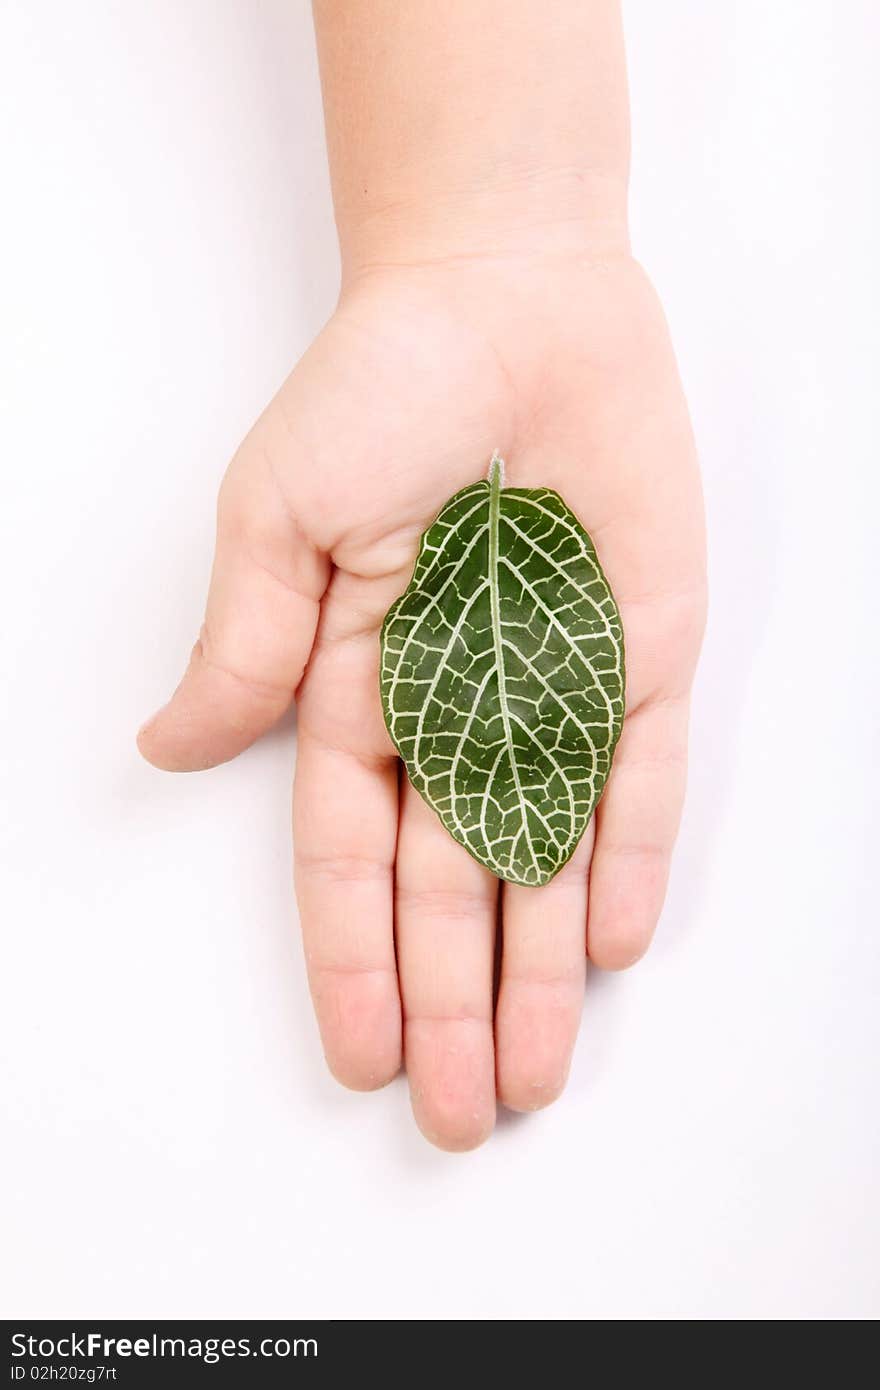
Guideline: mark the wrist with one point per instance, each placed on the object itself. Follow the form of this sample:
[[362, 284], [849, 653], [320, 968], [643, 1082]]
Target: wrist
[[543, 214]]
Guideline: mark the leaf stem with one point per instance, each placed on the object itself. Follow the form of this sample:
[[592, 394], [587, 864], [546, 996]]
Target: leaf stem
[[496, 472]]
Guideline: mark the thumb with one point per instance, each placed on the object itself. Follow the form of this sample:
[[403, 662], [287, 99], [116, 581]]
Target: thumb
[[259, 626]]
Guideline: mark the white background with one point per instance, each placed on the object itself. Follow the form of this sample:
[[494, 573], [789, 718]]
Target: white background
[[173, 1144]]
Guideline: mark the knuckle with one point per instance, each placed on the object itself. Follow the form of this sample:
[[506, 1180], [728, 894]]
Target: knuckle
[[342, 868]]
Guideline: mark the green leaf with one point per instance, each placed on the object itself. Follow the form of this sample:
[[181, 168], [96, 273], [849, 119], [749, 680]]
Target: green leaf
[[502, 676]]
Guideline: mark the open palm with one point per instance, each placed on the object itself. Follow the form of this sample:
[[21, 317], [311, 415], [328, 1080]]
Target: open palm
[[566, 369]]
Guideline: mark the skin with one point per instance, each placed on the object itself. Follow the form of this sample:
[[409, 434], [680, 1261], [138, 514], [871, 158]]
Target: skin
[[489, 300]]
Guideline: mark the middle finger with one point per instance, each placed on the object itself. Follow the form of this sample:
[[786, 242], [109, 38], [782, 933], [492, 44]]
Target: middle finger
[[445, 912]]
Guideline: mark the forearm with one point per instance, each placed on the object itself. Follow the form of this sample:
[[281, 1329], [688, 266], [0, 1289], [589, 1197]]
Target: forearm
[[466, 127]]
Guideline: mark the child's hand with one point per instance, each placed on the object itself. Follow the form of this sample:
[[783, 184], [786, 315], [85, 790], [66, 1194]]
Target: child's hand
[[564, 365]]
